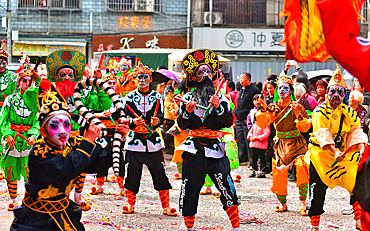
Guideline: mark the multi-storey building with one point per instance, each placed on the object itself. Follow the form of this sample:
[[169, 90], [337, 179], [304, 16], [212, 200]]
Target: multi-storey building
[[87, 25]]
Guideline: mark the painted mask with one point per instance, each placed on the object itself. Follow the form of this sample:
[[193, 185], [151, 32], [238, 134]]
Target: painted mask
[[124, 68], [283, 90], [59, 128], [66, 73], [3, 64], [336, 94], [203, 72], [143, 80], [24, 83], [112, 83]]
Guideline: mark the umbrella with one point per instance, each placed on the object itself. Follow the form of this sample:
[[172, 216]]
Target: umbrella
[[165, 75]]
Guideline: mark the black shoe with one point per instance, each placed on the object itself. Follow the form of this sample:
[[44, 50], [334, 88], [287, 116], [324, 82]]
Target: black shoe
[[261, 175], [253, 174]]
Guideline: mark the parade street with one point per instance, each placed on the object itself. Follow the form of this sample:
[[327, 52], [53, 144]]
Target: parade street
[[257, 205]]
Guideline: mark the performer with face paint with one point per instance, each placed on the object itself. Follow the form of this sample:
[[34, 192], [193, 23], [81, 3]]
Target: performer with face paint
[[141, 147], [203, 152], [14, 115], [54, 162], [66, 68], [8, 79], [336, 127], [290, 119]]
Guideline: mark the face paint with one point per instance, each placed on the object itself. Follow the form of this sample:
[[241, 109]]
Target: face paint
[[66, 74], [124, 68], [112, 84], [283, 90], [3, 64], [114, 71], [143, 80], [59, 128], [336, 94], [203, 72], [24, 83]]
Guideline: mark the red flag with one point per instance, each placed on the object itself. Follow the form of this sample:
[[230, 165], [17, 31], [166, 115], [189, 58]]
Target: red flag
[[341, 29], [303, 32]]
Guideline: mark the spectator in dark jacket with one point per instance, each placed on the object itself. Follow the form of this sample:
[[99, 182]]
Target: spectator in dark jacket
[[245, 104]]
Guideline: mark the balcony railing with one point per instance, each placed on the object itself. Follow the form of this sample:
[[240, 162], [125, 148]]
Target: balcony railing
[[49, 4], [136, 5]]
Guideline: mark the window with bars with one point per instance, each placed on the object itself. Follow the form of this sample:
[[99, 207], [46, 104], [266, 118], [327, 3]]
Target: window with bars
[[49, 4], [364, 13], [136, 5]]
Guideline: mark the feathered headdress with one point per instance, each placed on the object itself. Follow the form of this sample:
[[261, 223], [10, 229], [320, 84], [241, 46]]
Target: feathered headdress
[[3, 52]]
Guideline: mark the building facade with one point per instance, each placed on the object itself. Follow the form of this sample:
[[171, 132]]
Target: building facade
[[46, 25]]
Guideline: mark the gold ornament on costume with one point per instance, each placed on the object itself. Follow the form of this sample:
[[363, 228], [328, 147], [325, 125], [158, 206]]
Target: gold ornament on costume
[[50, 102], [283, 78]]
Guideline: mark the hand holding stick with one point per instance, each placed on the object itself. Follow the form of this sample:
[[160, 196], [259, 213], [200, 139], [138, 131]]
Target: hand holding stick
[[136, 116], [344, 153], [184, 101], [210, 106]]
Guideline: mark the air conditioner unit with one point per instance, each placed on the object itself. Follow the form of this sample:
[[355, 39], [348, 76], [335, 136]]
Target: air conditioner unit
[[144, 5], [217, 18]]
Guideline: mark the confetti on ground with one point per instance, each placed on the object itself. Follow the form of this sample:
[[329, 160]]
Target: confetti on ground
[[248, 219]]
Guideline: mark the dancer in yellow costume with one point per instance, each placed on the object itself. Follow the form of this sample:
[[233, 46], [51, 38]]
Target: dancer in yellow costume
[[336, 127], [290, 119]]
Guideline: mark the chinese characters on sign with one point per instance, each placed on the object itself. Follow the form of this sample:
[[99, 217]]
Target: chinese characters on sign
[[238, 39], [134, 22], [152, 44]]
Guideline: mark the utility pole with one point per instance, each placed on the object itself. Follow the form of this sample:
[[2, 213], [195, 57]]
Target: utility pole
[[9, 31]]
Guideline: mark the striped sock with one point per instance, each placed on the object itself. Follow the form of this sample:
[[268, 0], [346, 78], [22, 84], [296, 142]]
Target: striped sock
[[303, 189], [131, 197], [179, 167], [165, 198], [357, 210], [281, 199], [120, 181], [189, 221], [233, 213], [100, 180], [315, 221], [80, 182], [12, 188]]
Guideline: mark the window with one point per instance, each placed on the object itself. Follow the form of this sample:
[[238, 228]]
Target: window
[[49, 4], [136, 5]]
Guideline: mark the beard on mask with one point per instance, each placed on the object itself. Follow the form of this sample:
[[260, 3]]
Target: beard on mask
[[204, 90], [66, 88]]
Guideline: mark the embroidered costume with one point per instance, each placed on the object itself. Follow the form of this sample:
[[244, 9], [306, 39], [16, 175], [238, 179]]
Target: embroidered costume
[[203, 152], [17, 118], [340, 127], [143, 147], [52, 170], [290, 146]]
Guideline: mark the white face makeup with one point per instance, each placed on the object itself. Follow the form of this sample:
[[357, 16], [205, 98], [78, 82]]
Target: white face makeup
[[58, 129], [143, 80], [283, 90], [203, 72], [336, 94]]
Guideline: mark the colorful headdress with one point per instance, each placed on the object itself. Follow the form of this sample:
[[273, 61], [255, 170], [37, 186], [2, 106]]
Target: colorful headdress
[[283, 78], [337, 78], [50, 102], [114, 67], [140, 68], [3, 52], [88, 72], [125, 61], [65, 58], [110, 76], [194, 59], [25, 67]]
